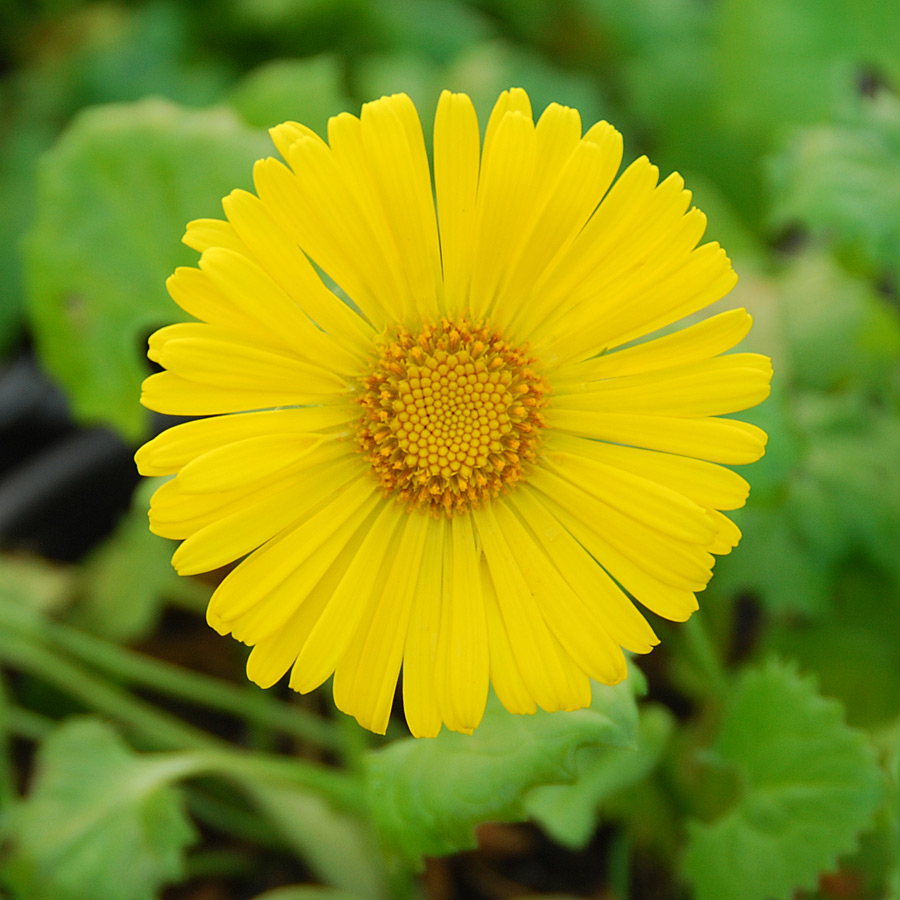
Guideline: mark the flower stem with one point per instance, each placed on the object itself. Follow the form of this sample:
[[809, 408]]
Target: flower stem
[[156, 728], [168, 679], [195, 687]]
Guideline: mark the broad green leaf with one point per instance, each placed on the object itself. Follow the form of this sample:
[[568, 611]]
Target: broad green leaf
[[114, 196], [427, 796], [96, 53], [809, 785], [569, 813], [99, 822], [841, 181], [300, 90]]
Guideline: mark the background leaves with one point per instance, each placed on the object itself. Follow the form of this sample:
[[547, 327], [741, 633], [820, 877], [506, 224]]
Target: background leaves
[[426, 797], [96, 804], [129, 176], [807, 785]]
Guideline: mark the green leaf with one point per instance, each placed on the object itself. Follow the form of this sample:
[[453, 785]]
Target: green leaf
[[100, 821], [427, 796], [569, 813], [299, 90], [842, 181], [114, 196], [809, 786]]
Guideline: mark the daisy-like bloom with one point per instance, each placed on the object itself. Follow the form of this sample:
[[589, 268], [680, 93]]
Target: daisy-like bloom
[[471, 470]]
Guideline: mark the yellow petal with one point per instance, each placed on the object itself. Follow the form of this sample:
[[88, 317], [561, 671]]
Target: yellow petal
[[300, 600], [177, 446], [539, 664], [462, 668], [702, 341], [655, 505], [559, 208], [597, 595], [707, 484], [658, 596], [577, 627], [392, 137], [251, 459], [335, 629], [676, 562], [456, 163], [321, 215], [365, 679], [287, 133], [507, 170], [712, 387], [169, 393], [252, 291], [627, 203], [725, 441], [304, 553], [420, 651], [176, 513], [513, 100], [243, 365], [727, 537], [201, 234], [286, 264], [195, 293], [698, 280], [506, 677], [273, 656], [232, 536]]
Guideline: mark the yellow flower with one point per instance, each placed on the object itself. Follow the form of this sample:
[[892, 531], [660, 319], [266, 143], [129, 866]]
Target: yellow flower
[[470, 470]]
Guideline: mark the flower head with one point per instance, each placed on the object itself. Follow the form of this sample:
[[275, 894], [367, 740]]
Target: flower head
[[471, 470]]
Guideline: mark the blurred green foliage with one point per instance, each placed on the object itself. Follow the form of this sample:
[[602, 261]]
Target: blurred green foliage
[[121, 121]]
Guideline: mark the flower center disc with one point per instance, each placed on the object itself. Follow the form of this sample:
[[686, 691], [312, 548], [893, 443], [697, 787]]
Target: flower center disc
[[450, 415]]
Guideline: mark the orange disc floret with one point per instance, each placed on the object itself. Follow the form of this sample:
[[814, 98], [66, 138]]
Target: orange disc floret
[[452, 415]]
